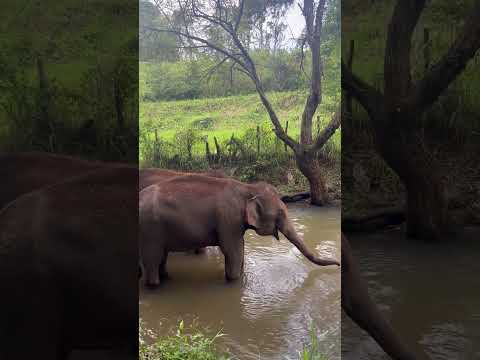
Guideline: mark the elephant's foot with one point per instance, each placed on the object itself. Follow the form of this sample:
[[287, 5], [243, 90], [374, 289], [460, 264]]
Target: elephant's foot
[[163, 275], [200, 251], [233, 269], [152, 285], [233, 277], [162, 278], [152, 278]]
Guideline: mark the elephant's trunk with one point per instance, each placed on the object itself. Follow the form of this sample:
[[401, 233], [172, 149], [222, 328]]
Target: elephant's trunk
[[290, 233], [359, 306]]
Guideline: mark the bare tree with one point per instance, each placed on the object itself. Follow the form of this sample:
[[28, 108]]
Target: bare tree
[[227, 16], [395, 113]]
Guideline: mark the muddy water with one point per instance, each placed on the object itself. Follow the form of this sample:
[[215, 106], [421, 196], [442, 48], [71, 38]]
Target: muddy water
[[266, 315], [429, 292]]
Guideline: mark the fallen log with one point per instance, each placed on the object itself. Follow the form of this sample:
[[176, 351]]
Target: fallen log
[[296, 197], [374, 220]]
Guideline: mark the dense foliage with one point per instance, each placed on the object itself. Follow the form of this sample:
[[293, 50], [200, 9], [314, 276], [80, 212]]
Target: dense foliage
[[168, 71], [68, 77], [455, 115]]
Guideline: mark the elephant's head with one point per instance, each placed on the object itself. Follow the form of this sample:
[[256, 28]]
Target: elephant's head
[[267, 214]]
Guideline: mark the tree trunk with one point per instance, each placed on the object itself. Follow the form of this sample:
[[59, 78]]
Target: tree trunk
[[427, 203], [308, 165], [427, 209]]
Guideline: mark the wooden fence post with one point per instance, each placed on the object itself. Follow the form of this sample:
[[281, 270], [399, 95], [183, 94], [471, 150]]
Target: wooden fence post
[[156, 152], [208, 154], [219, 150], [286, 132], [258, 141]]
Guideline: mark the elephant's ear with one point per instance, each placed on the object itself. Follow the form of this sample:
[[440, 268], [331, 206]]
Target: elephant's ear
[[252, 212]]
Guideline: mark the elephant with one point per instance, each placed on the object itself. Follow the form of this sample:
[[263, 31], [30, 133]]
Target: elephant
[[68, 268], [196, 211], [150, 176], [23, 172], [358, 305]]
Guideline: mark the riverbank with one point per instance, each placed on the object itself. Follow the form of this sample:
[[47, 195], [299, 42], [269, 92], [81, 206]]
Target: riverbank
[[197, 344], [374, 197]]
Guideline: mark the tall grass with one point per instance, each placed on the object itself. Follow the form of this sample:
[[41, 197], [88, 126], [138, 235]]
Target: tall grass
[[193, 344], [182, 128]]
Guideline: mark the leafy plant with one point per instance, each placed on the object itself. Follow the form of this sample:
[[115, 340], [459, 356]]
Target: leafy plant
[[312, 351], [191, 344]]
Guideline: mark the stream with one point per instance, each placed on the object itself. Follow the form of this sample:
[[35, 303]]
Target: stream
[[268, 314], [429, 292]]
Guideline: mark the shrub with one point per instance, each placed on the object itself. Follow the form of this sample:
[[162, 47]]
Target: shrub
[[312, 351], [194, 345]]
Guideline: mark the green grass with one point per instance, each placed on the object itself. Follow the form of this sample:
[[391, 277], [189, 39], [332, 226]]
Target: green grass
[[194, 344], [228, 115], [183, 345], [312, 351]]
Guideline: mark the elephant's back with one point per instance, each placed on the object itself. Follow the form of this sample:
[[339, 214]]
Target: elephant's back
[[21, 173], [194, 187]]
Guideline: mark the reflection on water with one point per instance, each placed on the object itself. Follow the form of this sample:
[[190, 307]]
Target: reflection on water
[[266, 315], [429, 292]]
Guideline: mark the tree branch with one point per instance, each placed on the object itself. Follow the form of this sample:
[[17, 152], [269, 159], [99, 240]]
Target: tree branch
[[203, 41], [397, 51], [442, 74], [369, 97], [314, 33], [328, 131], [209, 72], [240, 15], [279, 131]]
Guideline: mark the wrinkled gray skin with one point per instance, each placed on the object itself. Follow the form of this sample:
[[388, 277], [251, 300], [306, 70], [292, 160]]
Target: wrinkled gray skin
[[24, 172], [197, 211], [68, 268], [359, 306], [150, 176]]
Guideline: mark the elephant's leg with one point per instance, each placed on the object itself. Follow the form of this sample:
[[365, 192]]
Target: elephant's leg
[[162, 270], [234, 259], [151, 266], [359, 306]]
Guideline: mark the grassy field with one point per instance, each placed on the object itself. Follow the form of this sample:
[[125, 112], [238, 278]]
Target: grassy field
[[222, 117]]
